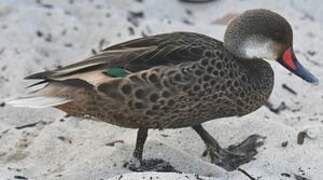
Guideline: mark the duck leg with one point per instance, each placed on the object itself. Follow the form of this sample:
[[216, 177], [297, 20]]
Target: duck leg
[[235, 155], [138, 164]]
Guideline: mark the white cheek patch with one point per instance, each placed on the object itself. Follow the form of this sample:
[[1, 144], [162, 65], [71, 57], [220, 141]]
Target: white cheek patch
[[259, 47]]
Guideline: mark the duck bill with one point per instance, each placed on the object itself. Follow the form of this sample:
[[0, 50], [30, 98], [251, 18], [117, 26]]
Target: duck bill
[[289, 61]]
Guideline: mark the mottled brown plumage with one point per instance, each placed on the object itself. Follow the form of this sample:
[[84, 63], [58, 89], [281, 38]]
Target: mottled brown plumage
[[184, 79]]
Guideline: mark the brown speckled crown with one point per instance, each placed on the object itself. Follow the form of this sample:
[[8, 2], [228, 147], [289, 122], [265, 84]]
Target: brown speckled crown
[[265, 24]]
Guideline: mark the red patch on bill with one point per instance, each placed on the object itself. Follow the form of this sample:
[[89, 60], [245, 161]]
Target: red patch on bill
[[288, 58]]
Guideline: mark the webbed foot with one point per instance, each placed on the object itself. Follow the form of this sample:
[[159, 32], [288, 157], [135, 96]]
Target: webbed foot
[[235, 155]]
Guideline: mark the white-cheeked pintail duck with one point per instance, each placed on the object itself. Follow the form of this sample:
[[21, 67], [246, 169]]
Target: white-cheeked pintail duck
[[176, 80]]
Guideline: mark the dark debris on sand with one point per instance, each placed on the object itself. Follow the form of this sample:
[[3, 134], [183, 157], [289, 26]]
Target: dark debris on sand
[[289, 89], [3, 104], [197, 1], [114, 142], [277, 110], [284, 144], [30, 125], [301, 137], [20, 177], [134, 17]]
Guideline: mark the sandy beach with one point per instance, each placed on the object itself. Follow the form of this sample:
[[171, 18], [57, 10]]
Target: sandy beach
[[44, 144]]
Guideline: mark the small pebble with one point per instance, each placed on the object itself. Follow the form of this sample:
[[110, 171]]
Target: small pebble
[[311, 133]]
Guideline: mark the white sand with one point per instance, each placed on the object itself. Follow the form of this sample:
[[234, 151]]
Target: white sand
[[76, 149]]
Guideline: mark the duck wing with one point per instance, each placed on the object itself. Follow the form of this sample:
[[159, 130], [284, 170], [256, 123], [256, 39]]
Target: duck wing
[[58, 86], [139, 54]]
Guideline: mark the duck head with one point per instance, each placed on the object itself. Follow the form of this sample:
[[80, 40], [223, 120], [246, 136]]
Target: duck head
[[263, 34]]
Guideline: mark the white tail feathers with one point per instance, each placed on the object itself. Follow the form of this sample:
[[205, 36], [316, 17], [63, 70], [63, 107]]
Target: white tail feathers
[[37, 101]]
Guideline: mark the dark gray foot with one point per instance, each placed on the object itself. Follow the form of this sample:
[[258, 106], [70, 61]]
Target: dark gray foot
[[235, 155], [157, 165]]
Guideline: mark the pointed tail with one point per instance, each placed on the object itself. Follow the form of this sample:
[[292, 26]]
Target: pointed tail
[[37, 101]]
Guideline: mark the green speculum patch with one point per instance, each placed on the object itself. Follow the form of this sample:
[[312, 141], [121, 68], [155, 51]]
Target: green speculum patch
[[116, 72]]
